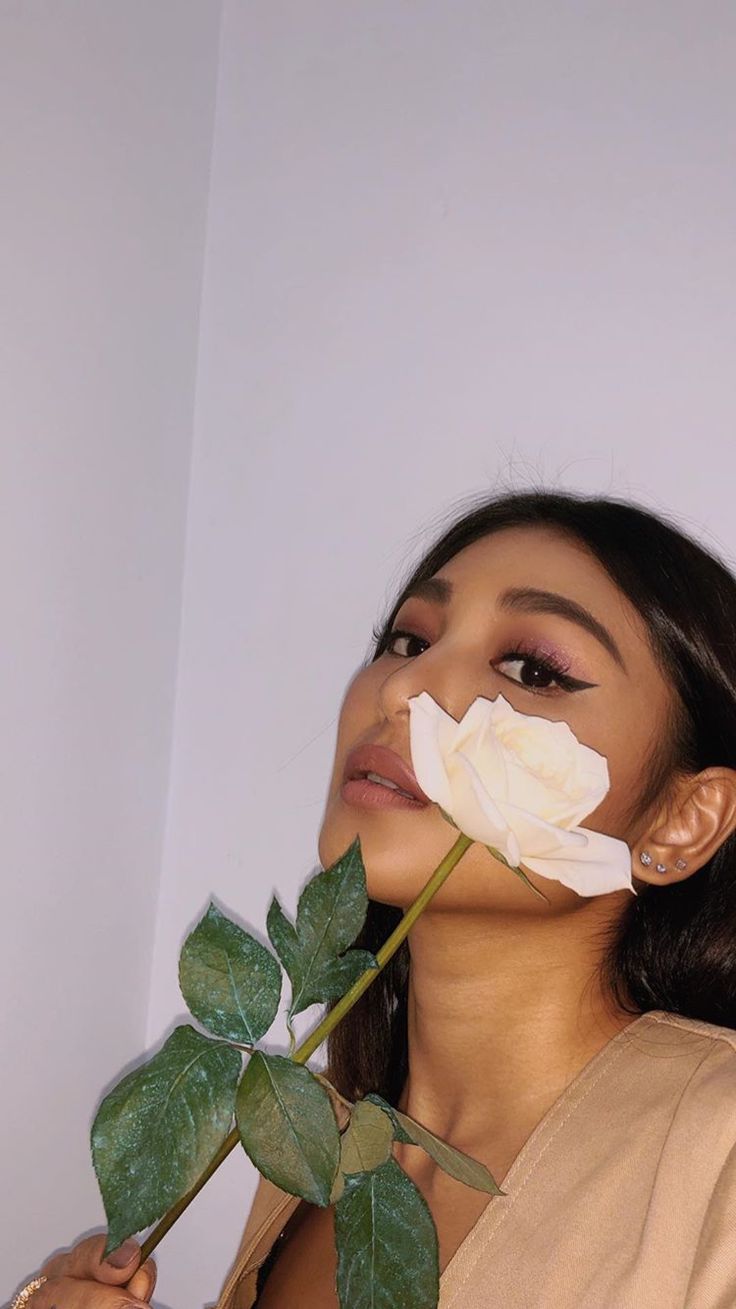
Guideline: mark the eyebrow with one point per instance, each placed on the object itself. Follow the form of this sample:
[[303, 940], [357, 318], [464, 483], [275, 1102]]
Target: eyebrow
[[529, 600]]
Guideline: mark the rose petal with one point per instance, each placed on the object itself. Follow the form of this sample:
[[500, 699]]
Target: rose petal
[[426, 756], [520, 783], [489, 758], [603, 864], [572, 798], [539, 796], [537, 837], [476, 810]]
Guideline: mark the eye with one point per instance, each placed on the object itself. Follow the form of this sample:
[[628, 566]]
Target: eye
[[538, 673], [406, 636]]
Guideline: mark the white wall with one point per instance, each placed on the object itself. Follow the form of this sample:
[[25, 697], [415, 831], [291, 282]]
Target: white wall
[[443, 239], [106, 117]]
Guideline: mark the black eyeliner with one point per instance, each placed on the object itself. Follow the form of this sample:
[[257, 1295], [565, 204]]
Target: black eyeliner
[[563, 679]]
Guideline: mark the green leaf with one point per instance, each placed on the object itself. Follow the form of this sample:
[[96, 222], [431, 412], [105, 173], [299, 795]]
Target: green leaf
[[283, 936], [448, 817], [330, 913], [288, 1126], [519, 873], [387, 1249], [159, 1128], [452, 1161], [230, 982], [338, 975], [338, 1186], [399, 1133], [366, 1142]]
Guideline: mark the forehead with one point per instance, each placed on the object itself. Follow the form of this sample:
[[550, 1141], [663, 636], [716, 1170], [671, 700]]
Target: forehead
[[551, 560]]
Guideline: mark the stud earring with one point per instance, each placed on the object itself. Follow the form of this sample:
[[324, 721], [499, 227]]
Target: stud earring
[[680, 865], [646, 859]]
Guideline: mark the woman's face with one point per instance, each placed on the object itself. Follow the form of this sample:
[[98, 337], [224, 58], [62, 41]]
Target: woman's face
[[487, 639]]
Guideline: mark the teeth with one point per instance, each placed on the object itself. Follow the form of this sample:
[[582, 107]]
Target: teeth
[[376, 777], [384, 781]]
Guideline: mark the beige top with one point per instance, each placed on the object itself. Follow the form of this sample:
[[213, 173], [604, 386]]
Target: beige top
[[623, 1197]]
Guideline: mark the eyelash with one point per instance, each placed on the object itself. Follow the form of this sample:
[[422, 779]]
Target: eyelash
[[546, 664]]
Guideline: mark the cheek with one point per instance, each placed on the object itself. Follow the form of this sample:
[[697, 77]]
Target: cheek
[[358, 715], [359, 711], [627, 742]]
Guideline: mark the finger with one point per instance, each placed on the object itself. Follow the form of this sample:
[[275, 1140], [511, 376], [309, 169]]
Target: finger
[[143, 1281], [73, 1293], [85, 1261]]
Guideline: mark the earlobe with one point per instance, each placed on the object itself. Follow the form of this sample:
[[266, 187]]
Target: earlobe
[[646, 859], [701, 815]]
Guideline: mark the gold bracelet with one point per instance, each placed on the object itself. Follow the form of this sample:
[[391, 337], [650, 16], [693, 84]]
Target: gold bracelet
[[22, 1298]]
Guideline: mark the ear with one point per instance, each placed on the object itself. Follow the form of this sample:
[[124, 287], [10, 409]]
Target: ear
[[698, 816]]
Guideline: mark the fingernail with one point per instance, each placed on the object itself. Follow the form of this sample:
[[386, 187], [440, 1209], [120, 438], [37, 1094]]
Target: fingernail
[[123, 1255]]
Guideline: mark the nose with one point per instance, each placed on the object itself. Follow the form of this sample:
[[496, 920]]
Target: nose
[[452, 674]]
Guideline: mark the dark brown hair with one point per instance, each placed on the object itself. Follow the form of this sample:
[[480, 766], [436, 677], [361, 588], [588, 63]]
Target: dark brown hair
[[674, 947]]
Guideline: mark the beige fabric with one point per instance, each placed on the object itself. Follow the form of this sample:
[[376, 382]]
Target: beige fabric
[[623, 1197]]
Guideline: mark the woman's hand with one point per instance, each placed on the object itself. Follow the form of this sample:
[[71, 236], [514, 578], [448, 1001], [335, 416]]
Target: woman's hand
[[80, 1279]]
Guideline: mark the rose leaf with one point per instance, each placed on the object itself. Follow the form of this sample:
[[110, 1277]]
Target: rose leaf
[[158, 1129], [314, 950], [230, 982], [288, 1126]]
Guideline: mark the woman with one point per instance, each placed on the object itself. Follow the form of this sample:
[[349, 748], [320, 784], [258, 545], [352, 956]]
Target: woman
[[584, 1049]]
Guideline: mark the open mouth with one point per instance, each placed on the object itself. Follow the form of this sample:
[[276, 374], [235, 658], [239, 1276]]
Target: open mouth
[[378, 775], [384, 781], [369, 790]]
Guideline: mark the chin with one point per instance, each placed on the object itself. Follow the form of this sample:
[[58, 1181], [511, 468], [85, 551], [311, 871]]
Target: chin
[[400, 852]]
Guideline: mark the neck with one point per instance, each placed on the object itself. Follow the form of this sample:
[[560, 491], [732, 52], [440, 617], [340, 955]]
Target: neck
[[501, 1018]]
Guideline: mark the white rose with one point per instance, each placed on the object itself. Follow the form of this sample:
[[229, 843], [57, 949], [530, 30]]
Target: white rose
[[519, 784]]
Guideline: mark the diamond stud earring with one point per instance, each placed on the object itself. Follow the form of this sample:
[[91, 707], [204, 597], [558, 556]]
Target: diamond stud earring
[[646, 859]]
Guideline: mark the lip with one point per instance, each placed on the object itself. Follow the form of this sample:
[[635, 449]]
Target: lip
[[374, 758]]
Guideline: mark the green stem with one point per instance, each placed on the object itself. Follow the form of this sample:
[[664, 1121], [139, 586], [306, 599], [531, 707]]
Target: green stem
[[389, 948], [322, 1031]]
